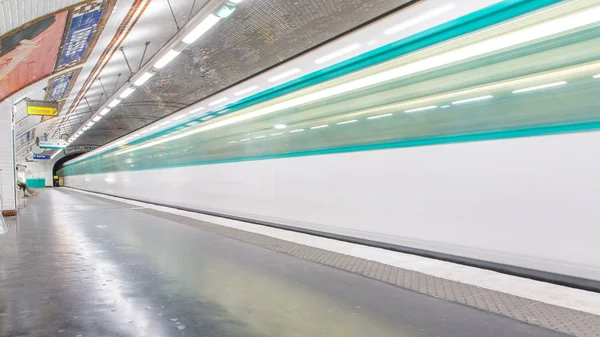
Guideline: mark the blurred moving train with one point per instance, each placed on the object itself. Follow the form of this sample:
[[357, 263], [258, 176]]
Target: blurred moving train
[[470, 134]]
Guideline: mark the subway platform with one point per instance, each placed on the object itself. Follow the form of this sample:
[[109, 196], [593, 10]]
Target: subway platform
[[77, 264]]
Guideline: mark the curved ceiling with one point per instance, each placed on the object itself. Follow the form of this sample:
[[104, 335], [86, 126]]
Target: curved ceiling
[[259, 35]]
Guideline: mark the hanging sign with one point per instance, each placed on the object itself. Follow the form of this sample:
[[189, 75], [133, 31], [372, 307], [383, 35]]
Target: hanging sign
[[42, 108]]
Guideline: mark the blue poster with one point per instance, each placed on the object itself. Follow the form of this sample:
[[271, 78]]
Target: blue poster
[[83, 25], [60, 86], [41, 156]]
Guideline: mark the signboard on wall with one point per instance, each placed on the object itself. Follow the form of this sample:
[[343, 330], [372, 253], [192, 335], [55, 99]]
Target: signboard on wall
[[41, 156], [42, 108], [26, 124], [25, 138], [81, 148]]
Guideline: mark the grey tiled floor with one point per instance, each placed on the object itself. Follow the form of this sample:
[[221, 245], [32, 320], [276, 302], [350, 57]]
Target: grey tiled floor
[[79, 265]]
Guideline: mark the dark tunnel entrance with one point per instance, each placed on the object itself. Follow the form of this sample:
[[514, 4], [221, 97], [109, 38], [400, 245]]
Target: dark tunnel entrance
[[59, 164]]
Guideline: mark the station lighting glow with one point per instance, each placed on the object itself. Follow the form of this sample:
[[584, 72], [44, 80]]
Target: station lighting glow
[[280, 126], [540, 87], [170, 56], [202, 28], [97, 118], [421, 109], [319, 127], [379, 116], [597, 76], [283, 75], [127, 92], [196, 110], [114, 103], [104, 111], [145, 77], [277, 134], [86, 128], [299, 130], [247, 90], [340, 52], [225, 11], [475, 99], [220, 100], [90, 124], [348, 122], [419, 19]]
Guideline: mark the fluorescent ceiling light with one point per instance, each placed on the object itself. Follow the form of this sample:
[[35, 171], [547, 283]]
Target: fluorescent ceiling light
[[259, 137], [220, 100], [283, 75], [127, 92], [166, 59], [201, 28], [319, 127], [235, 1], [476, 99], [597, 76], [153, 128], [277, 134], [164, 123], [539, 87], [348, 122], [444, 106], [340, 52], [245, 139], [90, 124], [247, 90], [97, 118], [114, 103], [225, 11], [421, 109], [500, 42], [280, 126], [104, 111], [419, 19], [145, 77], [233, 141], [178, 117], [86, 128], [143, 132], [299, 130], [80, 132]]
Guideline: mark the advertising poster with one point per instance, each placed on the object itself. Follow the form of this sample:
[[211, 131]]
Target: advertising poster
[[29, 53], [85, 23]]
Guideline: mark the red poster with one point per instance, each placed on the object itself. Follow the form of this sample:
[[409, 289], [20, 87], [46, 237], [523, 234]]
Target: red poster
[[29, 54]]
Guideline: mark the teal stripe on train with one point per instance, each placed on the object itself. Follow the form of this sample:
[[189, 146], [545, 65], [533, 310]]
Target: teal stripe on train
[[486, 17]]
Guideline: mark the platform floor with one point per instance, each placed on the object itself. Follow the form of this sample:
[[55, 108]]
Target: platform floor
[[77, 265]]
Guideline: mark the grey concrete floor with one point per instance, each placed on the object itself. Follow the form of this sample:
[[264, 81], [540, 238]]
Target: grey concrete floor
[[76, 265]]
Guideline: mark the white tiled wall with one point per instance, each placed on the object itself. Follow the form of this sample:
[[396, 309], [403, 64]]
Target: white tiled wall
[[7, 169]]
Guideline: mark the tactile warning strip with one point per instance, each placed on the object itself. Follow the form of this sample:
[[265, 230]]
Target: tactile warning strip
[[569, 321]]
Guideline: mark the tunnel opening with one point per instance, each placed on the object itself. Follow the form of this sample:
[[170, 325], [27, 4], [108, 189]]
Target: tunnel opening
[[56, 181]]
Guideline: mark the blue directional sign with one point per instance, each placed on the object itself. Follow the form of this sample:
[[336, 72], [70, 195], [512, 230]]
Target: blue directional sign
[[41, 156]]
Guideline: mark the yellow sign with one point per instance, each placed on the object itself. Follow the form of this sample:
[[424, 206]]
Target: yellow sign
[[41, 111]]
